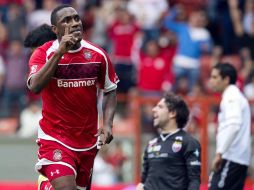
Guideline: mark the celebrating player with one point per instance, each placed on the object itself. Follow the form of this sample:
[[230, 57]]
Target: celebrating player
[[68, 72]]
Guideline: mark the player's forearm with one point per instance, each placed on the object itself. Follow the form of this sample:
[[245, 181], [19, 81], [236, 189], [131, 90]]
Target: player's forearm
[[39, 80], [235, 14], [109, 107]]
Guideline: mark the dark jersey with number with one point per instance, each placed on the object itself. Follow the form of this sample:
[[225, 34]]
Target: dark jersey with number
[[172, 162]]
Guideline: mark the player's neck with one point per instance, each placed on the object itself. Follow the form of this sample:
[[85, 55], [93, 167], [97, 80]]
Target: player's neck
[[76, 46], [171, 127]]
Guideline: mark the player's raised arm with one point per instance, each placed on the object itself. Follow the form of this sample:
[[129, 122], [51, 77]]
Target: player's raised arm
[[41, 78]]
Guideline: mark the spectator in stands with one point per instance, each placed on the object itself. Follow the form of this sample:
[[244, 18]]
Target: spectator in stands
[[233, 141], [41, 16], [244, 29], [15, 93], [123, 32], [182, 87], [243, 25], [249, 87], [193, 40], [16, 25], [3, 38], [103, 172], [116, 158], [221, 27], [154, 70], [2, 75], [248, 90], [248, 17], [29, 120], [148, 14]]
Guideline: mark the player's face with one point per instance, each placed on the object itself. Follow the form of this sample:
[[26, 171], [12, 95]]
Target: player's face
[[217, 83], [160, 114], [68, 17]]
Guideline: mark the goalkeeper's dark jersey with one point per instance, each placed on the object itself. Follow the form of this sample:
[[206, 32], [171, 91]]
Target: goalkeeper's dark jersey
[[172, 162]]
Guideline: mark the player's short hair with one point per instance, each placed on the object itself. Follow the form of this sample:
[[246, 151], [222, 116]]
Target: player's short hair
[[54, 13], [227, 70], [177, 104], [39, 36]]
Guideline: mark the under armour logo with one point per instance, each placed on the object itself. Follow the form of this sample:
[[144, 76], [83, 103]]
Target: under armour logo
[[53, 173]]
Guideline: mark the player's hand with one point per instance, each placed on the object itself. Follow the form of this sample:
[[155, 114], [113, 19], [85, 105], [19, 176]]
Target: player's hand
[[105, 135], [68, 40], [140, 186], [216, 164]]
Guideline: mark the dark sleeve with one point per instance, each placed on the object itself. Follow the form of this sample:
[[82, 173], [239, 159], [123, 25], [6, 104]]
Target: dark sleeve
[[145, 167], [192, 156]]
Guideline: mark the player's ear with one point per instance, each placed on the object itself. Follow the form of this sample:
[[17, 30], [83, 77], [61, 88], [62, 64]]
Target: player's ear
[[172, 114], [54, 29]]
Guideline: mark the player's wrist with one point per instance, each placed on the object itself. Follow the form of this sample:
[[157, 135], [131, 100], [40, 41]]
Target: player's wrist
[[109, 126], [59, 53]]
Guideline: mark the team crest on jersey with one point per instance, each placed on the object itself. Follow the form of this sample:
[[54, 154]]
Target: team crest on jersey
[[177, 146], [57, 155], [87, 55]]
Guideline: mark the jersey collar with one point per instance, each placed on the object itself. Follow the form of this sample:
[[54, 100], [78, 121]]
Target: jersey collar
[[165, 138]]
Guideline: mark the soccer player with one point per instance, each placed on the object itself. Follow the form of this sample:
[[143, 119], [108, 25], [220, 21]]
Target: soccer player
[[68, 72], [233, 141], [172, 160]]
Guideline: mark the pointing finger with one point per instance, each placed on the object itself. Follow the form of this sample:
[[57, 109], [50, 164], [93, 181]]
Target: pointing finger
[[66, 29]]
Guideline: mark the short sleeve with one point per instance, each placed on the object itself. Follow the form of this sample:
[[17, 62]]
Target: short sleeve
[[37, 60], [107, 79]]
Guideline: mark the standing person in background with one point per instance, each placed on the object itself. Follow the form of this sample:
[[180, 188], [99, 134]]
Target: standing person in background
[[68, 73], [14, 89], [148, 15], [193, 40], [172, 160], [153, 61], [233, 151], [123, 31]]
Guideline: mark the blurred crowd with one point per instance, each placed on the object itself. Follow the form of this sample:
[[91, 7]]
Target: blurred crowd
[[166, 39], [155, 46], [175, 41]]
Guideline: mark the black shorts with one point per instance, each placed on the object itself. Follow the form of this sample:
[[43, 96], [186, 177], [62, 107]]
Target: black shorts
[[231, 176]]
